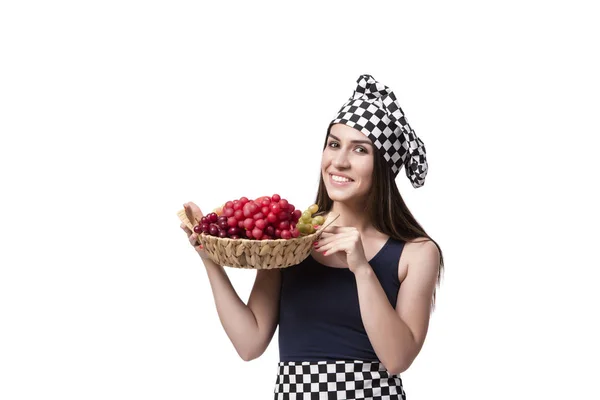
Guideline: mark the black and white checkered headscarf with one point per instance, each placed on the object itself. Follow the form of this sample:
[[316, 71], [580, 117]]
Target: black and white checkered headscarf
[[374, 110]]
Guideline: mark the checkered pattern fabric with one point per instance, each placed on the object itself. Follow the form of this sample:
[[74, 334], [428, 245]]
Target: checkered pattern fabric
[[374, 110], [333, 380]]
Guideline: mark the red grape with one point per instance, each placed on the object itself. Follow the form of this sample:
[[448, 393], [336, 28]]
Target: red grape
[[292, 225], [213, 230], [249, 234], [222, 234], [260, 224], [264, 210], [272, 218], [258, 215], [265, 203], [297, 214], [232, 222], [276, 197], [291, 208], [248, 223], [204, 220], [228, 211], [253, 208], [223, 225], [277, 233], [275, 209], [229, 204], [197, 229], [212, 217], [295, 233], [243, 200], [285, 234], [238, 214], [284, 225], [241, 223], [205, 227], [235, 237], [237, 206], [270, 230], [283, 203], [284, 216], [257, 233], [233, 231], [261, 199]]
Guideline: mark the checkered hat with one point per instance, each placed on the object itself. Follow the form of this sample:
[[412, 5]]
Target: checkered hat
[[374, 110]]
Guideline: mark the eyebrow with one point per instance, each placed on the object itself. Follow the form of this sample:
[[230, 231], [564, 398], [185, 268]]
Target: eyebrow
[[352, 141]]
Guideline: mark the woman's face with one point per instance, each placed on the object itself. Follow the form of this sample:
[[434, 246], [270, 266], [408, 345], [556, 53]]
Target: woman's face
[[348, 153]]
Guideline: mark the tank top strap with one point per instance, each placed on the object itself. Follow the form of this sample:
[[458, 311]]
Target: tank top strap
[[385, 264]]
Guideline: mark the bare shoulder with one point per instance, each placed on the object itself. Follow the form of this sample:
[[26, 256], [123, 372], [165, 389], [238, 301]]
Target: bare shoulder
[[420, 256]]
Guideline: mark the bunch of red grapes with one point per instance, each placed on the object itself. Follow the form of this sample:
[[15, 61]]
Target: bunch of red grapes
[[260, 219]]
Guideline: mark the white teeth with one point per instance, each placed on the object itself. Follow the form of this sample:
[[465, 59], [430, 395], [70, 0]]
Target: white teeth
[[340, 179]]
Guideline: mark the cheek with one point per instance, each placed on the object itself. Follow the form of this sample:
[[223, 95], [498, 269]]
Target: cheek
[[366, 170]]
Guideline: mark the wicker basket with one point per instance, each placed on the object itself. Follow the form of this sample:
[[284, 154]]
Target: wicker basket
[[256, 254]]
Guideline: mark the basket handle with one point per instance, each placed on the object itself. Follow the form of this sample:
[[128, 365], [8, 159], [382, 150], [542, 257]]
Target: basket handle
[[187, 219], [326, 224]]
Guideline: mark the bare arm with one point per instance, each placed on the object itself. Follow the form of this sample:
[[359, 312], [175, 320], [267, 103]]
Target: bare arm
[[249, 327], [398, 335]]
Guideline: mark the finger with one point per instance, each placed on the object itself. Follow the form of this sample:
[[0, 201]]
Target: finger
[[323, 240], [186, 229], [330, 249], [194, 239], [327, 247], [195, 210], [341, 244], [330, 237]]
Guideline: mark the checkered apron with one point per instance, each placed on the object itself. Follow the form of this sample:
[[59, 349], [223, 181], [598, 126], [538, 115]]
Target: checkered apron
[[333, 380]]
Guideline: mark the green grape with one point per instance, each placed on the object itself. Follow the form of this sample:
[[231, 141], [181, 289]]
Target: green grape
[[306, 216], [318, 220], [313, 208], [302, 228]]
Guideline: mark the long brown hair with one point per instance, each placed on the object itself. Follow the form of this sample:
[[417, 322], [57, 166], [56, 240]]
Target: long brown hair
[[386, 209]]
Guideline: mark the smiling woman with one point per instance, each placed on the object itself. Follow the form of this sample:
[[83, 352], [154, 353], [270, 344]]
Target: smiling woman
[[354, 314]]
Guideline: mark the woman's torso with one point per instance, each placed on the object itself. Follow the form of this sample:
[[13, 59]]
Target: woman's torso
[[319, 309]]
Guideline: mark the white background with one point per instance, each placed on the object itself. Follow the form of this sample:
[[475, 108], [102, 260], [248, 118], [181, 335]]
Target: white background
[[115, 113]]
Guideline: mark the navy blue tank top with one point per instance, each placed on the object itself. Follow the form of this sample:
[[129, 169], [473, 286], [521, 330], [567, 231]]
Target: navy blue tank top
[[319, 313]]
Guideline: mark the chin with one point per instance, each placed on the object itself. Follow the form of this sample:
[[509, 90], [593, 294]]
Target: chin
[[335, 195]]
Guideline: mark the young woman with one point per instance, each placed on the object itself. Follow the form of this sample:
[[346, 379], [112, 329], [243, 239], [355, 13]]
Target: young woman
[[354, 315]]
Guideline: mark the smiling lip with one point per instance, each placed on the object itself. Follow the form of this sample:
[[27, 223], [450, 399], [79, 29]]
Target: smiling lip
[[338, 183]]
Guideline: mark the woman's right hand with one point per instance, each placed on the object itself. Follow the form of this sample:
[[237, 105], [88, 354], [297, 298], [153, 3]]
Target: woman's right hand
[[194, 210]]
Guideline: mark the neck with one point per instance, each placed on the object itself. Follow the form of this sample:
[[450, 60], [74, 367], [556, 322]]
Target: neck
[[352, 215]]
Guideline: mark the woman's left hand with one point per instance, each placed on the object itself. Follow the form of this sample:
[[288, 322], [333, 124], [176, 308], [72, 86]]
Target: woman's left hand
[[345, 243]]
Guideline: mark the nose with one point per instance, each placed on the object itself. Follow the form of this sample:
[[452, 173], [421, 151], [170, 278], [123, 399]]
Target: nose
[[340, 160]]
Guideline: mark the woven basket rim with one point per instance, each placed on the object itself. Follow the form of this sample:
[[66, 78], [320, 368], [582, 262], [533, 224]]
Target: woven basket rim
[[220, 249]]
